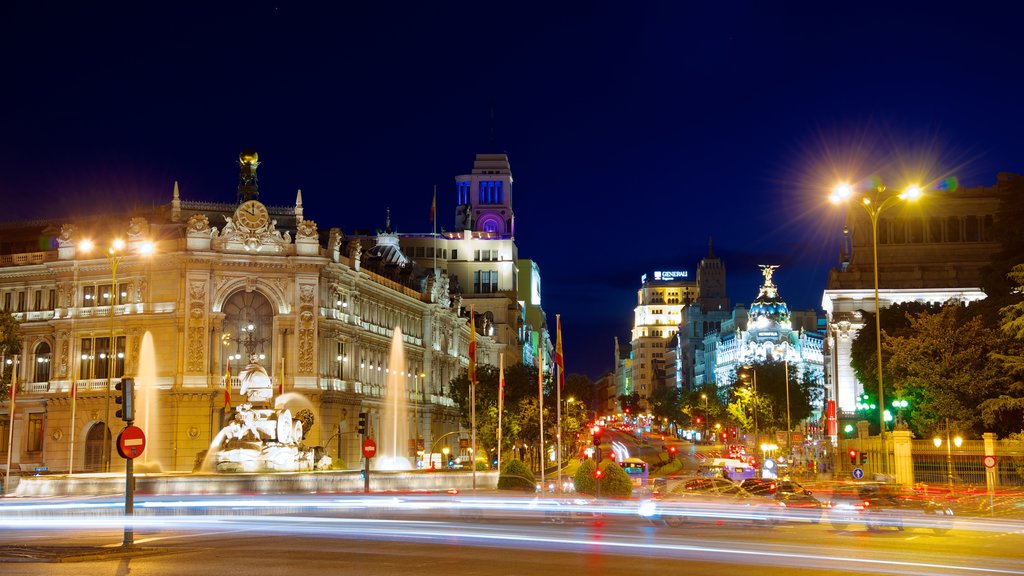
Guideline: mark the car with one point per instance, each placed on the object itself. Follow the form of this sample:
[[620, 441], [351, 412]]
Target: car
[[709, 499], [881, 505], [800, 503]]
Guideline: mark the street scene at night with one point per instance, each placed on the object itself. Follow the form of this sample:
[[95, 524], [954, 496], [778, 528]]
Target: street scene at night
[[272, 302]]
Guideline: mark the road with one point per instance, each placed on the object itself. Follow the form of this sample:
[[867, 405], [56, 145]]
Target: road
[[282, 535]]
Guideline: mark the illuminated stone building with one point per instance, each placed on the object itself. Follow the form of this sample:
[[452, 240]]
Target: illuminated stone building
[[319, 309], [661, 301], [482, 261], [933, 250]]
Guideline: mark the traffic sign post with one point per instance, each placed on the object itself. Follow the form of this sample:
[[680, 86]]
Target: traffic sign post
[[989, 461], [130, 444], [369, 451], [858, 473], [990, 480]]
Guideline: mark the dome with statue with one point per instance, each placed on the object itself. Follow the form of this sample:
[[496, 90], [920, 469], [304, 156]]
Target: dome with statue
[[769, 308]]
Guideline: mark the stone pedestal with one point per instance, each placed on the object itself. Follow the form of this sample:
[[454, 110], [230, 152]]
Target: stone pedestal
[[903, 459]]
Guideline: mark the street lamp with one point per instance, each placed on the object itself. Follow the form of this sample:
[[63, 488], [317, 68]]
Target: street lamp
[[753, 403], [874, 204], [704, 433], [949, 453], [115, 253]]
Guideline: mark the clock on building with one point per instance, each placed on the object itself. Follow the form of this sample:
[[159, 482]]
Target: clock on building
[[252, 215]]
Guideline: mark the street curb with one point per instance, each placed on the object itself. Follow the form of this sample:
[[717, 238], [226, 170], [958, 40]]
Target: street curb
[[57, 554]]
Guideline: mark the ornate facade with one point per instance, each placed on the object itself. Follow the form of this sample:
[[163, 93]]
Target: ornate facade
[[321, 310]]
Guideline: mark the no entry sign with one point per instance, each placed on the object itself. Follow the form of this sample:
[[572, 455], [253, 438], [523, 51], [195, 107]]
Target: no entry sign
[[990, 461], [131, 442], [369, 448]]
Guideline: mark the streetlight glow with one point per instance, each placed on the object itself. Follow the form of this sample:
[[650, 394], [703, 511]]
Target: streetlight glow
[[911, 193], [86, 245]]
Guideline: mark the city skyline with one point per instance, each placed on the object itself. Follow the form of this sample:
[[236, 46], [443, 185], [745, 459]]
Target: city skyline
[[633, 137]]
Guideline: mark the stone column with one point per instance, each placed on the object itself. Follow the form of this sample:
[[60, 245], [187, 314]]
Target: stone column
[[903, 457]]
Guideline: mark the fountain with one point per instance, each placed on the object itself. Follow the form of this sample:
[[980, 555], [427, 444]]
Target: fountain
[[263, 439], [394, 433], [148, 403]]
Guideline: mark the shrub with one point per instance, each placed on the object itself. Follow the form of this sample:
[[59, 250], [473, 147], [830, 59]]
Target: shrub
[[516, 476], [614, 483], [584, 478]]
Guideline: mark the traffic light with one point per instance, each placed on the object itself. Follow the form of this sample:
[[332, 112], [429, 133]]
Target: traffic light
[[863, 458], [362, 424], [672, 451], [126, 398], [698, 419], [597, 435], [853, 457], [598, 473]]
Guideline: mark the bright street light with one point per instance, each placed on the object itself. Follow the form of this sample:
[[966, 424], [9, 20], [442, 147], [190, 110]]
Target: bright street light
[[874, 203]]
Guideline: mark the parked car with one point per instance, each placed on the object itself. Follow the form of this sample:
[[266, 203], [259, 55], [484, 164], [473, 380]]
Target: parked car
[[878, 505], [800, 503], [710, 499]]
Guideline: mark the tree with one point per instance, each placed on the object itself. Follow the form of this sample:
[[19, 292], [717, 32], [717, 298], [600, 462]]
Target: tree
[[1005, 412], [630, 403], [941, 366], [10, 344], [666, 402], [515, 475], [771, 398]]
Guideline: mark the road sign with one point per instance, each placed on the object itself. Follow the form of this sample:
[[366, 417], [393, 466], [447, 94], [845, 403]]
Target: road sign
[[858, 473], [990, 461], [369, 448], [131, 442]]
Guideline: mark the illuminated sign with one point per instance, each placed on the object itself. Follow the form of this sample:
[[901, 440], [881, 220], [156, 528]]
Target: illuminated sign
[[665, 275], [767, 334]]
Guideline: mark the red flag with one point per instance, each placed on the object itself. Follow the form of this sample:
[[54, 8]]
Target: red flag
[[559, 360], [472, 346], [501, 384], [433, 207], [74, 389], [227, 387]]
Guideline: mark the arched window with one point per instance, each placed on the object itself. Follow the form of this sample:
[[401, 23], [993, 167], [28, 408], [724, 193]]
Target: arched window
[[973, 229], [242, 310], [98, 435], [41, 373]]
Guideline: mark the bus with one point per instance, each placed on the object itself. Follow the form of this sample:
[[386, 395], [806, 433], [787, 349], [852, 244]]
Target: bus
[[636, 469]]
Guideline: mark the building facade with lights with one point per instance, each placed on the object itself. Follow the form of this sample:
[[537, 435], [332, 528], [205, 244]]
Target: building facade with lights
[[319, 310], [934, 250], [766, 332]]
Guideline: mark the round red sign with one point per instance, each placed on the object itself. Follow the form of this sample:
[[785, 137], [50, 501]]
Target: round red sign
[[990, 461], [131, 442], [369, 448]]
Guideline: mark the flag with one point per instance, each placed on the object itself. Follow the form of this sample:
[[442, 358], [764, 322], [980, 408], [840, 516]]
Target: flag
[[501, 390], [472, 347], [433, 208], [559, 360], [74, 389], [227, 387]]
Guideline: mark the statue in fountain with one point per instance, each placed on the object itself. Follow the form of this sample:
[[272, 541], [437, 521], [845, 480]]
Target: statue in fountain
[[256, 384], [261, 438]]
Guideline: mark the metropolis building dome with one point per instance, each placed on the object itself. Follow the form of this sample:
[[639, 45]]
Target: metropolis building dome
[[769, 308]]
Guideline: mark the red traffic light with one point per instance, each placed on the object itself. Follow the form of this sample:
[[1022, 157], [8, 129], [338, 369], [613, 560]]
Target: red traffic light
[[853, 457], [598, 473], [672, 449], [698, 420]]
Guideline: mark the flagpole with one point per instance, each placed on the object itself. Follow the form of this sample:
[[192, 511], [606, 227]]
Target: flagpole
[[558, 421], [501, 401], [74, 406], [540, 396], [10, 427], [471, 372], [433, 221]]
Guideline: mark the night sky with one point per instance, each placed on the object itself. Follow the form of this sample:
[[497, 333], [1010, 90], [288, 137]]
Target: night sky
[[635, 130]]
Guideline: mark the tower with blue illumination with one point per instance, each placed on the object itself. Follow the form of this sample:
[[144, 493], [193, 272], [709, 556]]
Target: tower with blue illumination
[[484, 198]]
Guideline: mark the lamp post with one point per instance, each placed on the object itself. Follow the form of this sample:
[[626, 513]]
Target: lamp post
[[874, 204], [115, 253], [704, 433], [753, 403], [949, 453]]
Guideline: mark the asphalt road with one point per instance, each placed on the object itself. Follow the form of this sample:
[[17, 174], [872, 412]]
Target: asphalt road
[[285, 539]]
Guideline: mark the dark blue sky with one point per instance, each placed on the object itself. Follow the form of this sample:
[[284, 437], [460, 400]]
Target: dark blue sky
[[635, 130]]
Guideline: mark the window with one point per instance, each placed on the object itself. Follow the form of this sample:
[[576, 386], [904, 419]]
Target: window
[[986, 229], [953, 229], [97, 360], [883, 230], [41, 372], [34, 441], [7, 301], [53, 300], [463, 192], [916, 230], [38, 304], [88, 296], [122, 293], [21, 301], [899, 231], [973, 232], [934, 230], [491, 192], [455, 254], [103, 296]]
